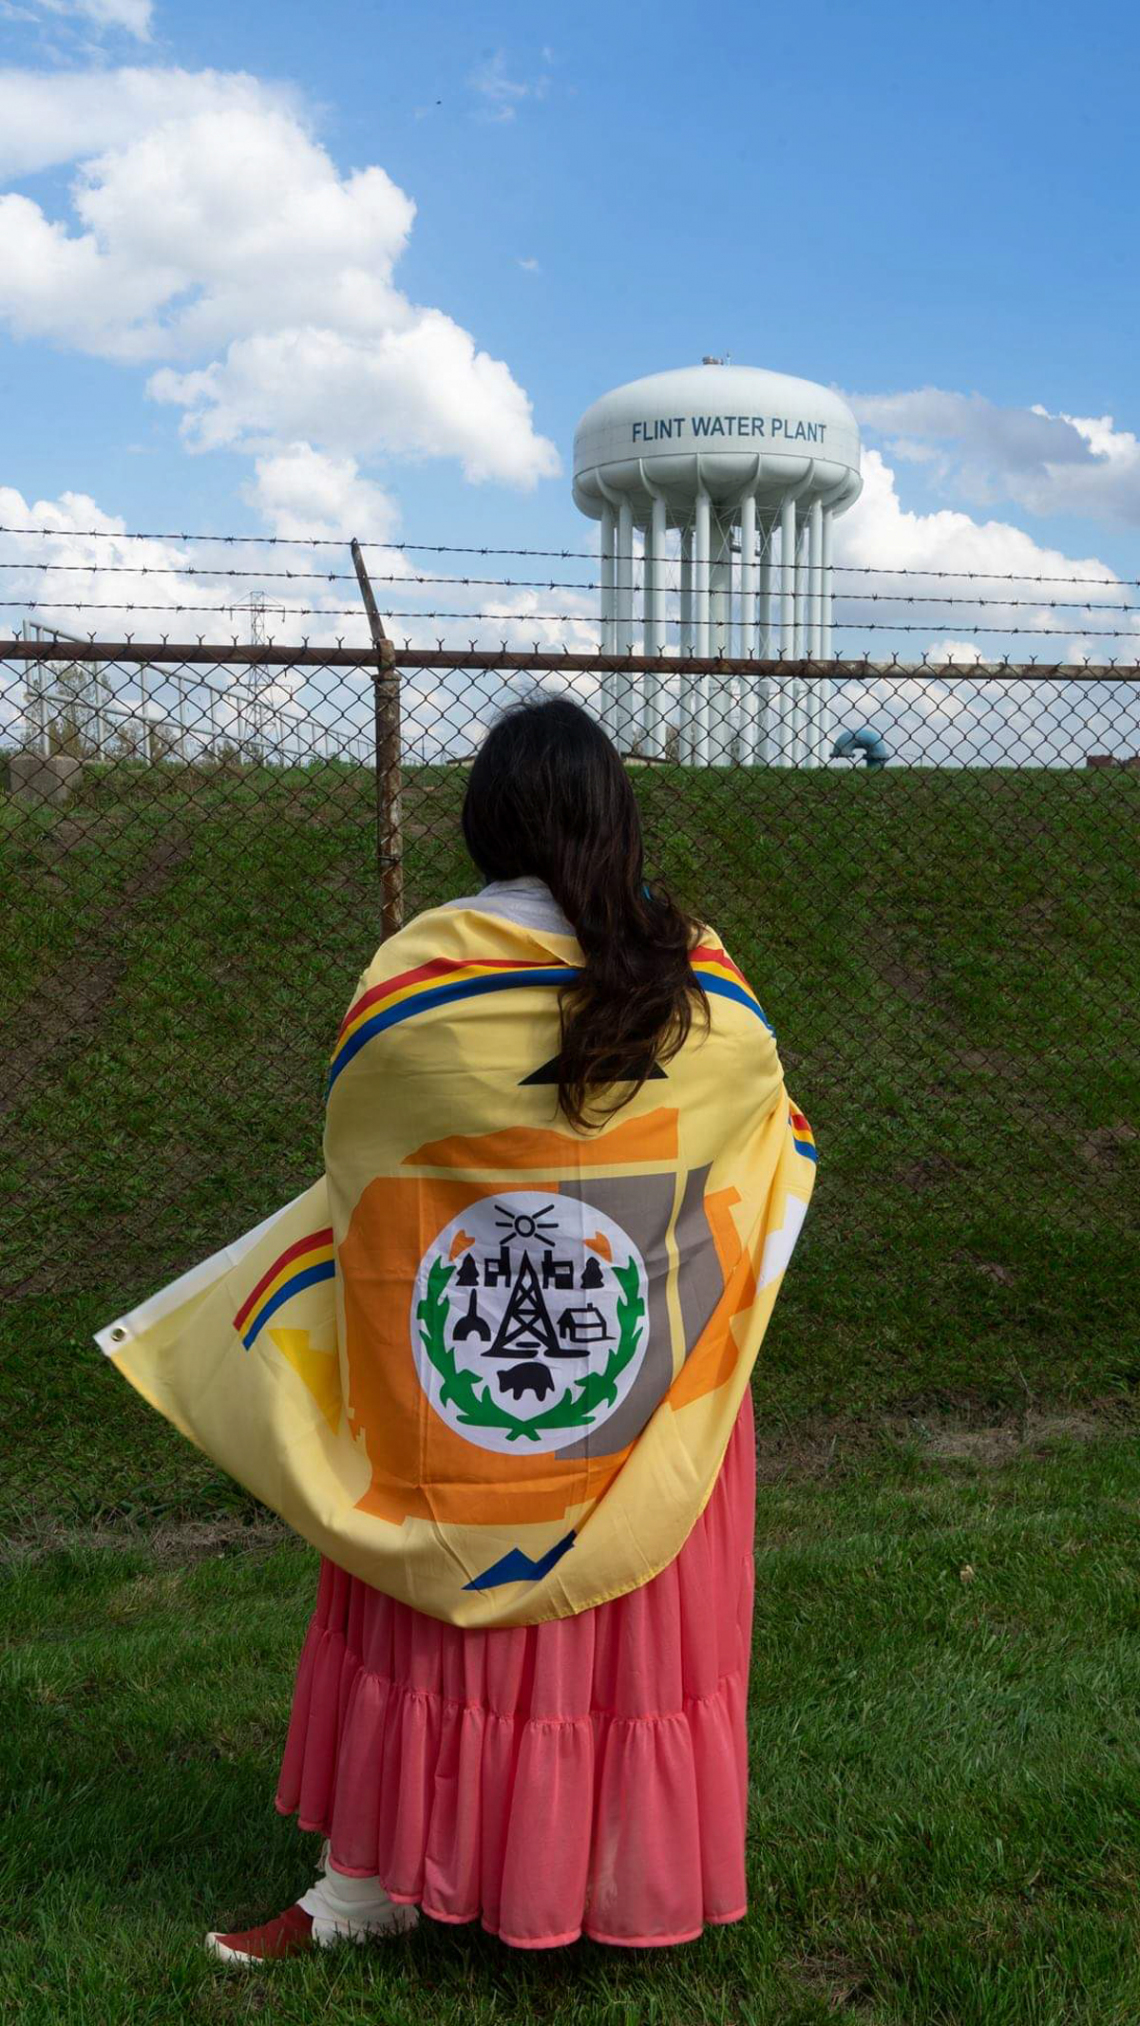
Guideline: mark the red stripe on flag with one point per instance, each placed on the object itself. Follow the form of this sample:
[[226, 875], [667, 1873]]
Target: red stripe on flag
[[303, 1245], [720, 957], [436, 967]]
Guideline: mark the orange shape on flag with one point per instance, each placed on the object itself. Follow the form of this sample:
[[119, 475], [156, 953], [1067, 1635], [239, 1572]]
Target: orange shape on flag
[[516, 1148], [389, 1411]]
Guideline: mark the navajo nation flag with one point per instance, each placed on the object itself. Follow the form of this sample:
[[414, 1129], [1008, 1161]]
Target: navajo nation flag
[[489, 1363]]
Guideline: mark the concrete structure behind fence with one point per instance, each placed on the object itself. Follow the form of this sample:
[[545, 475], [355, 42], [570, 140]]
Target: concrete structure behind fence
[[43, 777]]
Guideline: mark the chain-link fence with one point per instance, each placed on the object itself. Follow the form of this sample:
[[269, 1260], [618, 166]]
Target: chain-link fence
[[929, 874]]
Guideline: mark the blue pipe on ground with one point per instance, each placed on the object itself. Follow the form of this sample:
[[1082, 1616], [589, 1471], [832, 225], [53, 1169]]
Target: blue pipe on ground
[[864, 741]]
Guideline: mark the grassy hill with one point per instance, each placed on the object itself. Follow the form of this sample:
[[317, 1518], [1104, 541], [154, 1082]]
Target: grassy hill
[[948, 958]]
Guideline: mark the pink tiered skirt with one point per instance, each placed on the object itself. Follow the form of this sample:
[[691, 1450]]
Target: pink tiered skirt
[[588, 1775]]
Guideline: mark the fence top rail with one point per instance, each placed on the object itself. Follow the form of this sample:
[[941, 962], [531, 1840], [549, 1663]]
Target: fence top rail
[[552, 661]]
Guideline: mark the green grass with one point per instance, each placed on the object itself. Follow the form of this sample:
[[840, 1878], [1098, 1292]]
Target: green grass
[[945, 1823], [949, 958], [945, 1829]]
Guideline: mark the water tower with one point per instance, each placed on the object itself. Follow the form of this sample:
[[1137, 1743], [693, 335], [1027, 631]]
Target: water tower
[[717, 486]]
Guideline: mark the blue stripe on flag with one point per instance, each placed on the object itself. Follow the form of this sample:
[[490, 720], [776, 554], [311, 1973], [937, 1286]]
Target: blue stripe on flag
[[323, 1270], [729, 990], [440, 995], [518, 1567]]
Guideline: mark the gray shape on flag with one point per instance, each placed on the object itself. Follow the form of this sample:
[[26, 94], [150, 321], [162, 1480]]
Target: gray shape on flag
[[642, 1205]]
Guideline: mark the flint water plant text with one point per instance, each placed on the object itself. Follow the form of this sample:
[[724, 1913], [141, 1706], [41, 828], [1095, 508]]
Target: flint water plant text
[[774, 428]]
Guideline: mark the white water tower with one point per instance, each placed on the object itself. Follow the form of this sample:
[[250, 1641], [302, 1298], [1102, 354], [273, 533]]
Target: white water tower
[[718, 486]]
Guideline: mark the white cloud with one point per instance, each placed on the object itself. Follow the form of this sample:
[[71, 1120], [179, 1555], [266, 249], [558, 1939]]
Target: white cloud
[[529, 264], [180, 589], [970, 714], [218, 237], [123, 584], [148, 586], [879, 529], [1047, 463], [57, 285], [962, 652], [132, 16], [419, 392], [957, 570], [973, 713], [501, 95], [299, 492], [52, 117], [518, 621], [211, 225]]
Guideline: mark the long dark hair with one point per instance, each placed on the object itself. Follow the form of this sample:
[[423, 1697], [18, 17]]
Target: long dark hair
[[549, 796]]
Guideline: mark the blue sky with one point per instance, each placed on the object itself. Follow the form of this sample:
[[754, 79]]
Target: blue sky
[[932, 211]]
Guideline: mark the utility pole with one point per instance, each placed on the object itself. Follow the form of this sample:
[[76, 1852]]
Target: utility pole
[[389, 781]]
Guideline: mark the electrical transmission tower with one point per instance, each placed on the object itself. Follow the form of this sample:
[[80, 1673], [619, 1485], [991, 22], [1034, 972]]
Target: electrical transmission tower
[[260, 712]]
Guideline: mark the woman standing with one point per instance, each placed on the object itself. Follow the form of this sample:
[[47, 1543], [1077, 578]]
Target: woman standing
[[562, 1181]]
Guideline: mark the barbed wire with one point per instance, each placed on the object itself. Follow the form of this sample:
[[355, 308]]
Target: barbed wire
[[553, 584], [519, 618], [414, 658], [559, 555]]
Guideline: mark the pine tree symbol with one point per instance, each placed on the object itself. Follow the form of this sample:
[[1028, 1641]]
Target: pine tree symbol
[[526, 1326]]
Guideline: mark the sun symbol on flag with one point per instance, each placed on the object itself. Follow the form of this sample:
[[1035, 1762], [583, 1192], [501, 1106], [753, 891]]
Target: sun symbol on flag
[[540, 1224]]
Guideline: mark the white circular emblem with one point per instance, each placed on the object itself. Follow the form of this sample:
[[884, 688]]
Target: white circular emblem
[[529, 1320]]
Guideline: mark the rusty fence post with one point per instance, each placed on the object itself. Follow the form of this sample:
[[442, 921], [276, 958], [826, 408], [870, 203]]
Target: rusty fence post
[[389, 773]]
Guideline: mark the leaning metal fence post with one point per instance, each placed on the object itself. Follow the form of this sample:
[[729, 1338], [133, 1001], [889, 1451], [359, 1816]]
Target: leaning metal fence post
[[389, 785]]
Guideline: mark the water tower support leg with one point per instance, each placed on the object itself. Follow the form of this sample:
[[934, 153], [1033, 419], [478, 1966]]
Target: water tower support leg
[[764, 616], [624, 714], [686, 605], [763, 752], [815, 631], [748, 683], [685, 721], [722, 702], [648, 635], [606, 589], [720, 585], [655, 540], [787, 644], [607, 578], [801, 647], [701, 533], [827, 712]]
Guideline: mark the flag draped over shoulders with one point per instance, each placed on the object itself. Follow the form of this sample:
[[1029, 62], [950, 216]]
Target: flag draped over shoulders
[[490, 1363]]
